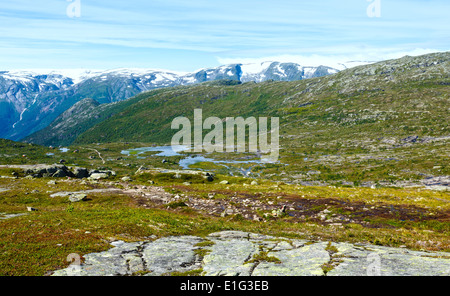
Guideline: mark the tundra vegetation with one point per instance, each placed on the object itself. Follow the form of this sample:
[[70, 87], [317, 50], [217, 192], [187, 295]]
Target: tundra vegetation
[[363, 159]]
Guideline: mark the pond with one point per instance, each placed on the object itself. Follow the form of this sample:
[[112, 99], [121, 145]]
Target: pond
[[163, 150], [185, 162]]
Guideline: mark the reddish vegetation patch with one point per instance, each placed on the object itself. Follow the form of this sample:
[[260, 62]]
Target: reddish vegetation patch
[[323, 210]]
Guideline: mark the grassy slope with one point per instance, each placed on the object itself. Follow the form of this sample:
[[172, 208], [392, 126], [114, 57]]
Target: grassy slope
[[79, 118]]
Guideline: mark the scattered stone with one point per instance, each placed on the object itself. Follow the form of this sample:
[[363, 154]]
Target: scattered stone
[[224, 182], [51, 182], [126, 179], [280, 212], [254, 183], [30, 209], [257, 218], [410, 139], [227, 212]]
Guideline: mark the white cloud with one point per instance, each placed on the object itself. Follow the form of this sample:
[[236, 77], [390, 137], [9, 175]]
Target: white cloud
[[336, 61]]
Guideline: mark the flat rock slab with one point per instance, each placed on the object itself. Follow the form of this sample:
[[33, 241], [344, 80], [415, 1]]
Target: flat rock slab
[[236, 253], [4, 216], [105, 190]]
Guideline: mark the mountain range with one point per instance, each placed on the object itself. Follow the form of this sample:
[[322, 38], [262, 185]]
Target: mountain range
[[386, 121], [32, 100]]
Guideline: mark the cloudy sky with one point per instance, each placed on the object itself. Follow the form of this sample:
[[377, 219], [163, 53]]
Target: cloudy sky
[[191, 34]]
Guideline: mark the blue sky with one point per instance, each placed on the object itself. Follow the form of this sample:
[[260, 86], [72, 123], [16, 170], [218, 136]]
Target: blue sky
[[188, 35]]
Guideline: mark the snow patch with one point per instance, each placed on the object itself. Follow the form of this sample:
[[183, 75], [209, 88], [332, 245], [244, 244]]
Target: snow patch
[[255, 68]]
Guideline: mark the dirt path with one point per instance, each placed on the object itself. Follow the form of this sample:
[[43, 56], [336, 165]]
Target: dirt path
[[99, 154]]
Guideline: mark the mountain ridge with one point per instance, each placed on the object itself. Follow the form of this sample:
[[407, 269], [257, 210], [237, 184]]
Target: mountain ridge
[[31, 100]]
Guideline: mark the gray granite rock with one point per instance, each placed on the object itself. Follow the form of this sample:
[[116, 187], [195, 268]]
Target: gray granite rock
[[304, 261], [384, 261], [236, 253], [172, 254], [77, 197], [228, 257]]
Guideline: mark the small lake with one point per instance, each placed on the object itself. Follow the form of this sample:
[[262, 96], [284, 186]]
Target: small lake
[[185, 162], [163, 150]]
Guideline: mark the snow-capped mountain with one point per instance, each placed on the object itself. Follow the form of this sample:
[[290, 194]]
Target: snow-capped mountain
[[31, 99]]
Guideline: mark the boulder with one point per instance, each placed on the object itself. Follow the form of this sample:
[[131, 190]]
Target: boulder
[[55, 170], [59, 174], [208, 176], [80, 172], [77, 197], [109, 173], [98, 176]]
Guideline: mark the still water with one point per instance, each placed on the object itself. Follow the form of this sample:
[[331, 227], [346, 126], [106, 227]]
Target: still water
[[185, 162]]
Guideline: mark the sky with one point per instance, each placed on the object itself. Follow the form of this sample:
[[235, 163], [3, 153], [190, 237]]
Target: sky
[[193, 34]]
